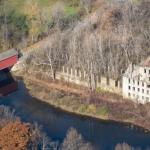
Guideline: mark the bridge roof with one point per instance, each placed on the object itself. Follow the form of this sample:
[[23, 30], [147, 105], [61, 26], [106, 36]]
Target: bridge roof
[[7, 54]]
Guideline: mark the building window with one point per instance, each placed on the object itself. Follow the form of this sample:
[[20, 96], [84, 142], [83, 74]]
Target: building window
[[129, 94], [142, 90], [129, 87], [133, 81], [138, 89], [147, 98], [147, 91], [142, 97], [133, 95], [138, 82], [144, 70], [133, 88], [142, 84], [129, 80]]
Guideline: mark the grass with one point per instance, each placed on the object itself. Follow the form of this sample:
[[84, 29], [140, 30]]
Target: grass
[[70, 11], [44, 3], [19, 6]]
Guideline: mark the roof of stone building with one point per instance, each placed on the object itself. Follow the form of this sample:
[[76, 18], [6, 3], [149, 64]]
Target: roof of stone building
[[7, 54], [146, 63]]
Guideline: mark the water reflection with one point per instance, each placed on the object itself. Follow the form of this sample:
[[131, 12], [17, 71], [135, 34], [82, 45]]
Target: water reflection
[[7, 83], [102, 135]]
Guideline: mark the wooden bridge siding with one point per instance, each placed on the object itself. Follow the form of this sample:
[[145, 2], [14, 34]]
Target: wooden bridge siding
[[8, 62]]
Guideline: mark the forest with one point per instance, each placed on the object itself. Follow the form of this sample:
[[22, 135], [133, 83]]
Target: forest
[[98, 37]]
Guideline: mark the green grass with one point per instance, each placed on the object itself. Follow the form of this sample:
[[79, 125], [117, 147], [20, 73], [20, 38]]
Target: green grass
[[45, 3], [19, 6], [71, 10]]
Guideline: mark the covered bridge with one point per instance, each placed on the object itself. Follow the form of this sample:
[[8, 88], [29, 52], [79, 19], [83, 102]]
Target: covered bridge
[[8, 58]]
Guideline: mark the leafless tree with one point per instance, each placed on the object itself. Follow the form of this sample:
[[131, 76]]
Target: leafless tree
[[5, 113], [87, 5], [125, 146], [58, 12], [74, 141], [54, 145], [46, 57]]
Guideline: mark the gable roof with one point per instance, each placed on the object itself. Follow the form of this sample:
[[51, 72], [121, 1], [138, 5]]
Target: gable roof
[[146, 63], [7, 54]]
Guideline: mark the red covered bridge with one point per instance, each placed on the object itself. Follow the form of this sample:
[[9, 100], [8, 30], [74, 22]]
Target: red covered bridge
[[8, 58]]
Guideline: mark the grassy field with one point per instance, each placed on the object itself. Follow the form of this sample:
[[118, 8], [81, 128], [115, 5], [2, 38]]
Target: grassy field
[[71, 10], [19, 6]]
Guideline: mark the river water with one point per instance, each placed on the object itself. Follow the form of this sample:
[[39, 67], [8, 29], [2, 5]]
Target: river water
[[103, 135]]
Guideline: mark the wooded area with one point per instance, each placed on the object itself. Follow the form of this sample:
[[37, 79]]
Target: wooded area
[[98, 37]]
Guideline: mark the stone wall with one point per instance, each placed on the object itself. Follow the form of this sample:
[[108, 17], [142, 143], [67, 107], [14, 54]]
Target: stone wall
[[79, 77]]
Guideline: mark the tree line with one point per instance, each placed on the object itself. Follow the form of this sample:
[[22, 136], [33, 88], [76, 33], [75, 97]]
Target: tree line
[[102, 46], [21, 28]]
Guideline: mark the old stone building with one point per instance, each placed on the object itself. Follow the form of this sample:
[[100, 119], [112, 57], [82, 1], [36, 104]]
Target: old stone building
[[136, 82]]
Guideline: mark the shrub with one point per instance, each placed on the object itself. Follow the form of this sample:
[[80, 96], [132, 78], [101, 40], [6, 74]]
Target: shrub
[[98, 89], [67, 100], [103, 110], [82, 108], [91, 108], [75, 104], [55, 95], [61, 101]]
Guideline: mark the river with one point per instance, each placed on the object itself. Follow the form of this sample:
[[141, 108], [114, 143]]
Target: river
[[103, 135]]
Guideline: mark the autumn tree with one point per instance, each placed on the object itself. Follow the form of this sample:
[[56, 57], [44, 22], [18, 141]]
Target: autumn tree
[[74, 141], [33, 18], [4, 24], [15, 135]]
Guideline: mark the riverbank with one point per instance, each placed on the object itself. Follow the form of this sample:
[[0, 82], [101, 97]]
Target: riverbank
[[77, 99]]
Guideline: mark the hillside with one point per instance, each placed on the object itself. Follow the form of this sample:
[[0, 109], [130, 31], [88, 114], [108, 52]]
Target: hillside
[[98, 37]]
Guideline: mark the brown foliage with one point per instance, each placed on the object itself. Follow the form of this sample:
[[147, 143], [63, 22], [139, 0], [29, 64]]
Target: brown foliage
[[109, 18], [3, 123], [15, 136]]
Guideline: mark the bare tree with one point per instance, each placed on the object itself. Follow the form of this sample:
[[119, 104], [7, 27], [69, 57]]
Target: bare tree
[[5, 113], [74, 141], [54, 145], [45, 141], [58, 12], [87, 5], [125, 146], [46, 57]]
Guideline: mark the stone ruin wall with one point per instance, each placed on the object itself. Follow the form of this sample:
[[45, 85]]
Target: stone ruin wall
[[78, 77]]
